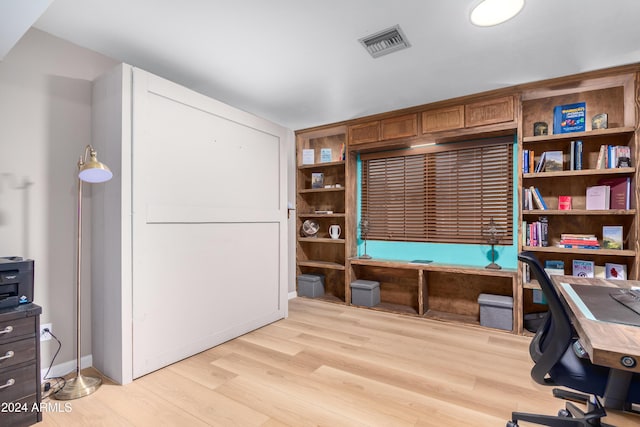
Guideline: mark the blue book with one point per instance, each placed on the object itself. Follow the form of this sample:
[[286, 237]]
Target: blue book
[[569, 118]]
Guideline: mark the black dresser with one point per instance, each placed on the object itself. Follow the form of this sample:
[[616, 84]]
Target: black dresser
[[20, 365]]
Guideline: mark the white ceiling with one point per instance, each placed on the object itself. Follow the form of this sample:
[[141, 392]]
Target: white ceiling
[[299, 62]]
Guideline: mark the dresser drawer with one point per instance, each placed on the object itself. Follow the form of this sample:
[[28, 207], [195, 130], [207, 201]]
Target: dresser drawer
[[10, 330], [13, 353], [20, 413], [17, 383]]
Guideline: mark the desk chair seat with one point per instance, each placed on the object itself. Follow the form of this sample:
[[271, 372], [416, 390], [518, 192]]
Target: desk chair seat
[[557, 362]]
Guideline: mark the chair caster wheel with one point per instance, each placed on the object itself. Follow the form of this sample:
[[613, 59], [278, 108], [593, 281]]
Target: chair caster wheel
[[512, 424], [564, 413]]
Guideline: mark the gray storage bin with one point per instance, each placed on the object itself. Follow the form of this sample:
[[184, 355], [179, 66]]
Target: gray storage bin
[[496, 311], [311, 285], [365, 292]]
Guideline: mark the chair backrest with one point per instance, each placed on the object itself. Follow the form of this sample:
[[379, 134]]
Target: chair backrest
[[556, 334]]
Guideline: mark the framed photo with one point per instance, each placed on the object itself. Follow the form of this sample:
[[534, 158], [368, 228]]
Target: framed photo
[[317, 180], [612, 237]]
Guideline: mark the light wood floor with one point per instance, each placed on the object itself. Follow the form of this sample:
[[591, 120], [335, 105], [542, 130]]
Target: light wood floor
[[333, 365]]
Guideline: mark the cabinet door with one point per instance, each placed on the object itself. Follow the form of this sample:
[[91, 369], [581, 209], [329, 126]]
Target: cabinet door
[[399, 127], [489, 112], [365, 132], [443, 119]]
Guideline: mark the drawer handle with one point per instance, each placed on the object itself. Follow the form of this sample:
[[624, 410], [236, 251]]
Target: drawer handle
[[7, 330], [8, 355], [9, 383]]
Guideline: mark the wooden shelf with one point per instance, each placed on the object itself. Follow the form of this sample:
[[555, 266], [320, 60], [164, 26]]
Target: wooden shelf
[[579, 135], [320, 240], [452, 317], [322, 264], [315, 215], [580, 212], [320, 190], [322, 165], [583, 172], [533, 284], [593, 252], [392, 308]]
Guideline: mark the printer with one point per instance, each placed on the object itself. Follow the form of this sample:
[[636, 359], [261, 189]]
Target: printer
[[16, 281]]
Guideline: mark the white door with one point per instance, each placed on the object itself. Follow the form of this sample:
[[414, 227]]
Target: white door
[[209, 222]]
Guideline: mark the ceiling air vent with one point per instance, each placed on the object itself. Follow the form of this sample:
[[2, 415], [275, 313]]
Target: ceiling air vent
[[385, 41]]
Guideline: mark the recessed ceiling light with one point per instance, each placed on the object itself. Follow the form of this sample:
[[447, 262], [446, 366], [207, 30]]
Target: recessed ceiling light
[[494, 12]]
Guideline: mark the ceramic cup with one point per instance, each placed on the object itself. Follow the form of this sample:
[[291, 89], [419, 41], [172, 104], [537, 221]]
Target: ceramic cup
[[334, 231]]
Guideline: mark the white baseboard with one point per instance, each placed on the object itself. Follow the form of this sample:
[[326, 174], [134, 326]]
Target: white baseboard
[[64, 368], [293, 295]]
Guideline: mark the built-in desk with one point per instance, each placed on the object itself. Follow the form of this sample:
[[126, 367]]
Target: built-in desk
[[435, 290], [608, 343]]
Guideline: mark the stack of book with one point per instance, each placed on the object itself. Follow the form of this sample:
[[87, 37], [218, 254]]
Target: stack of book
[[578, 241], [536, 233]]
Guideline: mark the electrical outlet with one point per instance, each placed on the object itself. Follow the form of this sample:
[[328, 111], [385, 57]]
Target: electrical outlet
[[45, 336]]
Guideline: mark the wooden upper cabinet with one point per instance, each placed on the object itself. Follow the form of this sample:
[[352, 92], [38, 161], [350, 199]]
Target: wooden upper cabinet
[[381, 130], [364, 132], [443, 119], [399, 127], [482, 113]]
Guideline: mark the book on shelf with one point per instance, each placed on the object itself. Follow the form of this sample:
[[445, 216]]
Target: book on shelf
[[525, 161], [578, 241], [601, 162], [613, 156], [564, 203], [537, 197], [553, 161], [569, 118], [317, 180], [541, 162], [619, 191], [536, 233], [598, 197], [554, 267], [308, 156], [599, 272], [615, 271], [612, 237], [582, 268], [575, 155]]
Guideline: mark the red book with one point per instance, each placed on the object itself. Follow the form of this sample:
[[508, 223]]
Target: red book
[[619, 191], [564, 203]]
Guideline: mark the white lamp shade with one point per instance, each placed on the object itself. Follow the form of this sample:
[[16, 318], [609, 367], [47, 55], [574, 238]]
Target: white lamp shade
[[95, 172], [494, 12]]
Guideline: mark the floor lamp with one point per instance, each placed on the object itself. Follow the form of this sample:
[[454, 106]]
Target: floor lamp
[[92, 171]]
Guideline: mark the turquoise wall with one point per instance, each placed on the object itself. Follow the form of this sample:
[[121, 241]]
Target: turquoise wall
[[450, 253]]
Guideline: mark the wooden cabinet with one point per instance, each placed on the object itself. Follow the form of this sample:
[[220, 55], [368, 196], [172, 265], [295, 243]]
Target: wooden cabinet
[[20, 365], [325, 205], [448, 118], [403, 126], [195, 211], [470, 115], [615, 96], [434, 290], [489, 112]]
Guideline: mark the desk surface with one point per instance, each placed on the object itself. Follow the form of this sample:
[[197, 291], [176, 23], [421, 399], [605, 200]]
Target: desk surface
[[607, 343]]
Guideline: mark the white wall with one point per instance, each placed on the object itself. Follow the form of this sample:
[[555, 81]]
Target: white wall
[[45, 123]]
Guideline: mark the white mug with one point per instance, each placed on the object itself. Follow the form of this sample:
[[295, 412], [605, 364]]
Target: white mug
[[334, 231]]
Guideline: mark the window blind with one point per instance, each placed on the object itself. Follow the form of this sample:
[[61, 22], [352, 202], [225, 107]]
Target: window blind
[[445, 195]]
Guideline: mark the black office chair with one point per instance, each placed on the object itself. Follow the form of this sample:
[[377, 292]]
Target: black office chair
[[559, 360]]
